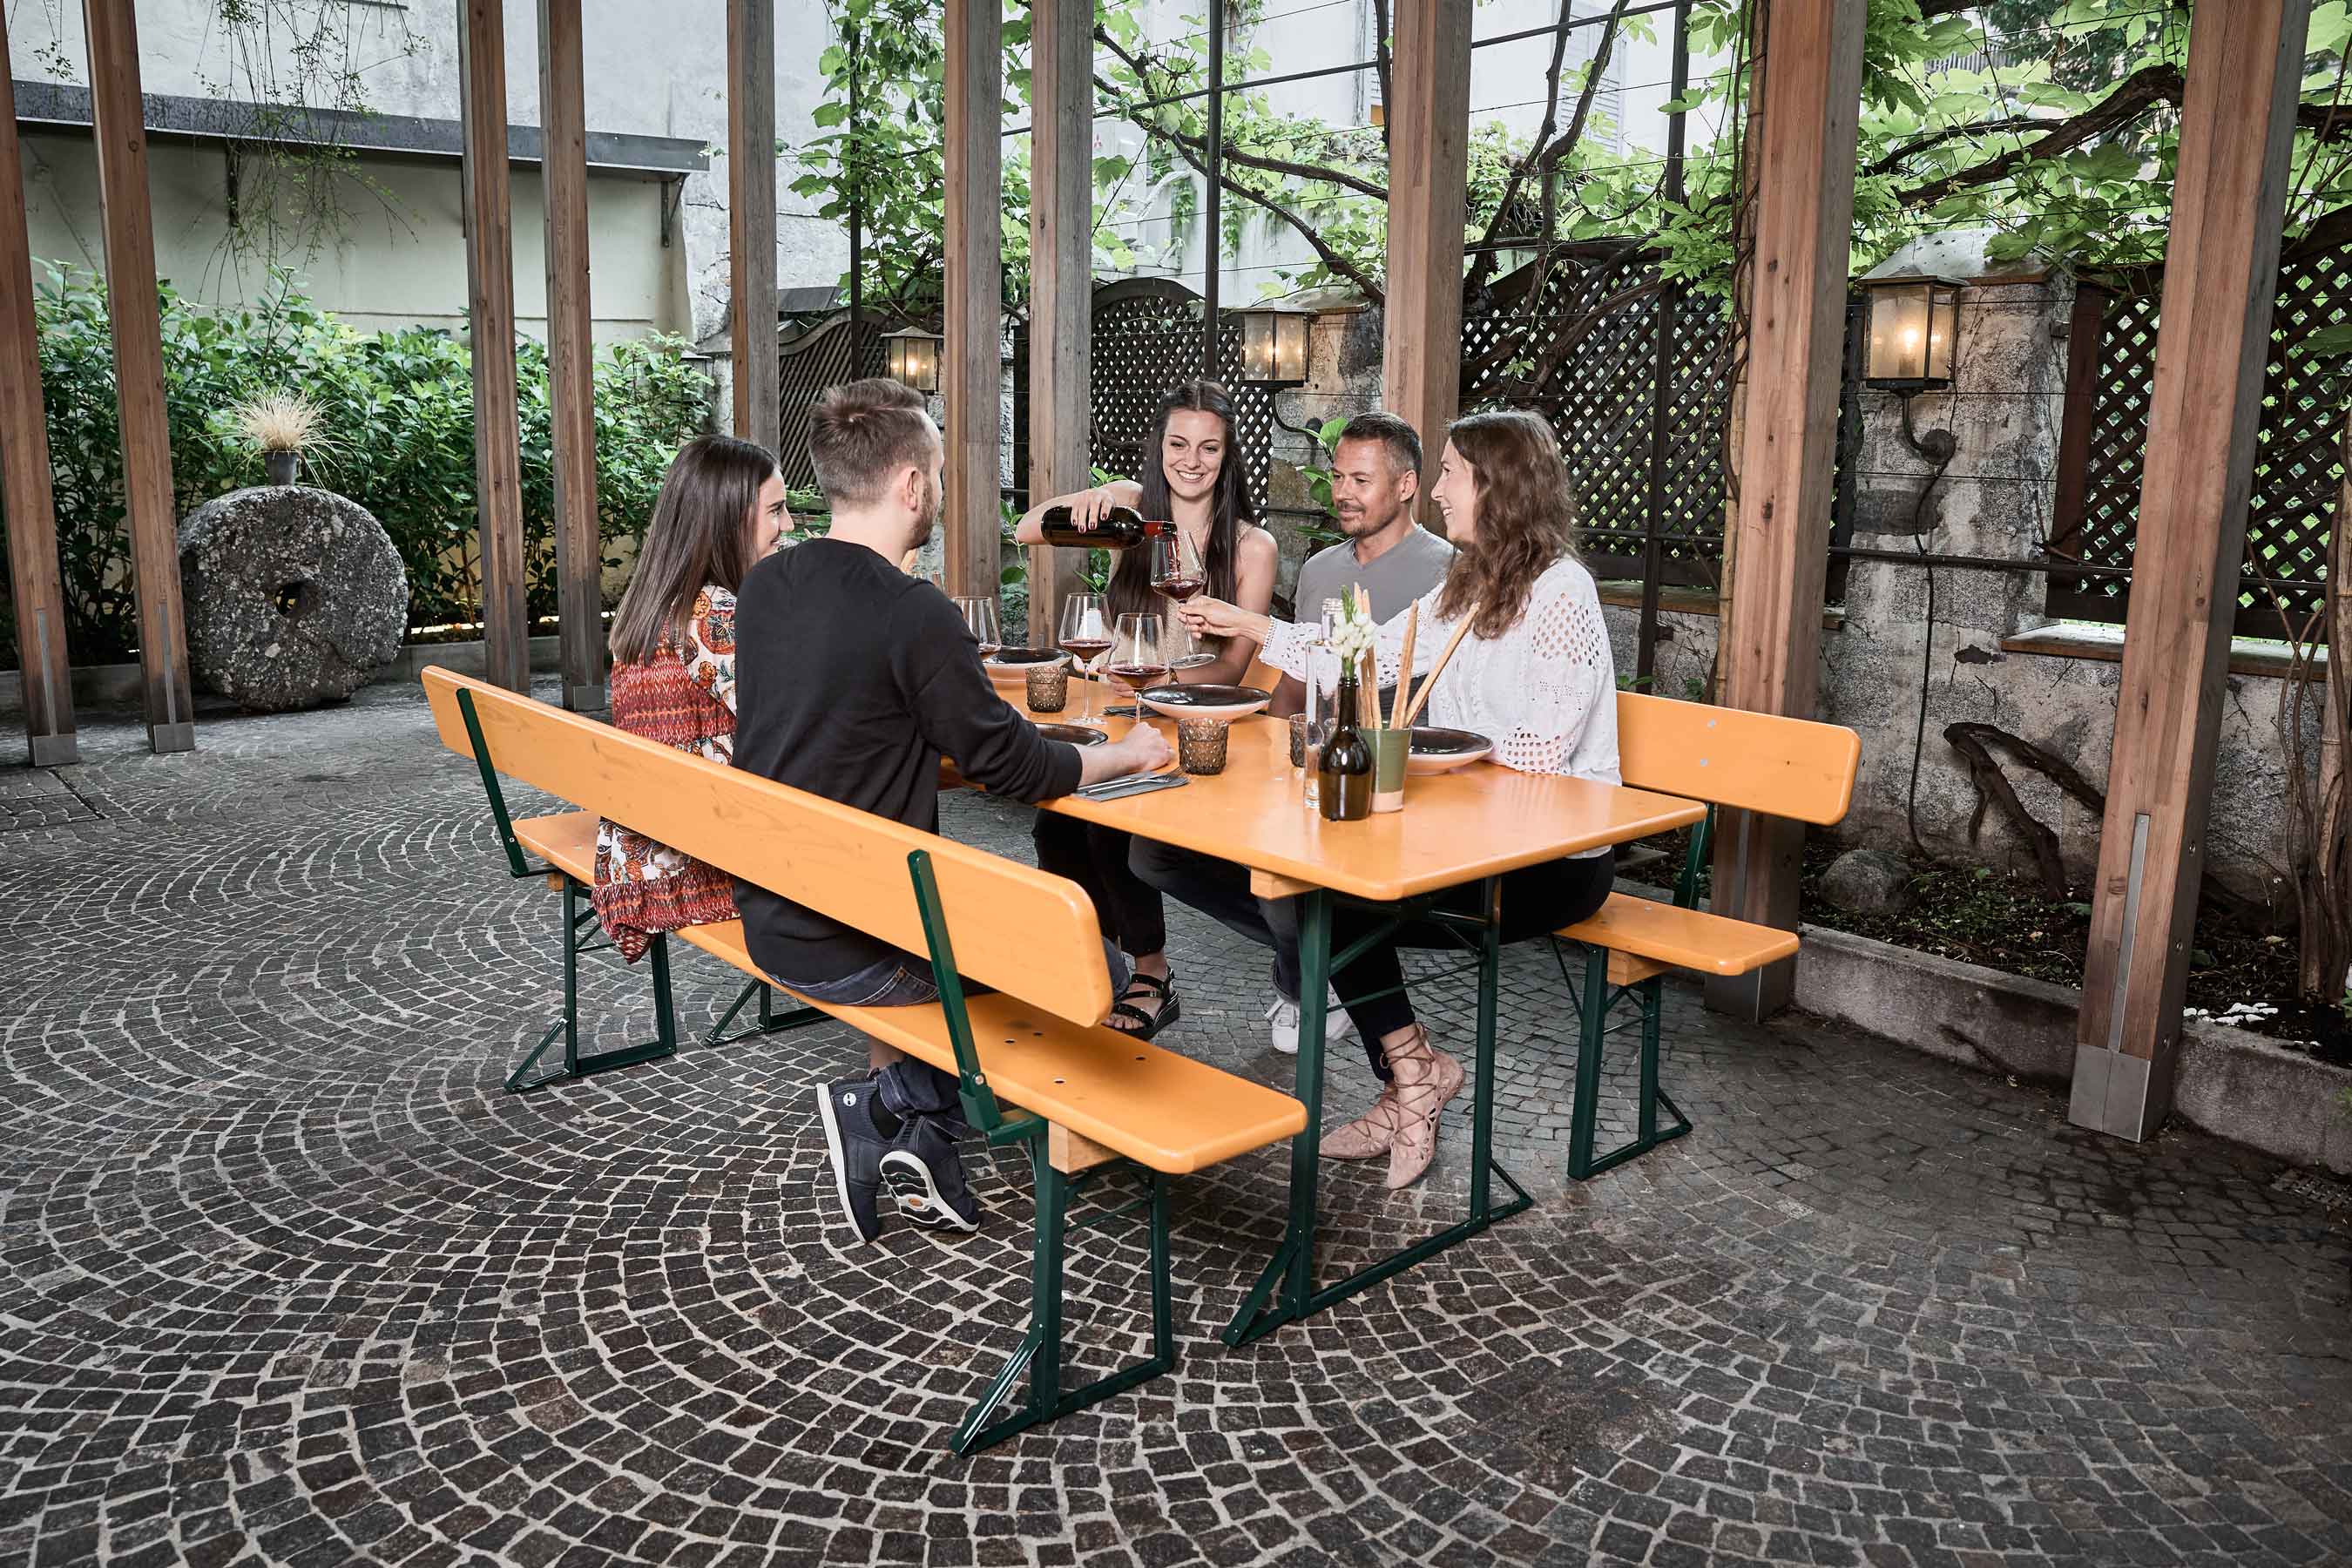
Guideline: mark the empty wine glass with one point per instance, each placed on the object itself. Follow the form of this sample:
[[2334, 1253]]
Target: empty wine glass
[[1177, 573], [1085, 635], [980, 614]]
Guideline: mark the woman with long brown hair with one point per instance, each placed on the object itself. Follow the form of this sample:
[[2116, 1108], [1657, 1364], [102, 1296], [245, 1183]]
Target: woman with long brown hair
[[721, 508], [1193, 479], [1535, 677]]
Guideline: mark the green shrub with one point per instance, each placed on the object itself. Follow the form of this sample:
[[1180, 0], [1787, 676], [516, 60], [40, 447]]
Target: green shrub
[[398, 410]]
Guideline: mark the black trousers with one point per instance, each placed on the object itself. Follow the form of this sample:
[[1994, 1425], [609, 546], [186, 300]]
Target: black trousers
[[1126, 907], [1536, 899]]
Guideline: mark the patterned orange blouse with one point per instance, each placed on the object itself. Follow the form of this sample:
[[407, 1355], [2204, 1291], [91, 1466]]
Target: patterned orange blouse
[[684, 696]]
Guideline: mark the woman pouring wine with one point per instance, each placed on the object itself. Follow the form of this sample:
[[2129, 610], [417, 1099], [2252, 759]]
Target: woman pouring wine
[[1193, 481], [1534, 675]]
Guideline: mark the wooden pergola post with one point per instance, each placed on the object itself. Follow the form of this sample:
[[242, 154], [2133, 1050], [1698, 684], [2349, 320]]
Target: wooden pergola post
[[751, 216], [571, 356], [1429, 168], [489, 290], [36, 591], [1802, 139], [1061, 280], [118, 121], [971, 361], [2221, 275]]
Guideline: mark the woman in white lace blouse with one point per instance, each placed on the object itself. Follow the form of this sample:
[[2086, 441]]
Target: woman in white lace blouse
[[1536, 678]]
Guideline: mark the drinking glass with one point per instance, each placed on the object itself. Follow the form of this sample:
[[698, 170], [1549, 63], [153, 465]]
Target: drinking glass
[[1085, 635], [1177, 574], [1135, 660], [980, 615]]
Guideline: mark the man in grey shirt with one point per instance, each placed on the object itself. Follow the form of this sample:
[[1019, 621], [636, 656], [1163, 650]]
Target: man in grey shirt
[[1375, 479]]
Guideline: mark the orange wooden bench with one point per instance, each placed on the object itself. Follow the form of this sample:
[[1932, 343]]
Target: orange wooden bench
[[1725, 756], [1086, 1095]]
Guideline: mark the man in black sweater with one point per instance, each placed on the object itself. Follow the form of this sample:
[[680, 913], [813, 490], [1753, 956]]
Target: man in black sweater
[[852, 680]]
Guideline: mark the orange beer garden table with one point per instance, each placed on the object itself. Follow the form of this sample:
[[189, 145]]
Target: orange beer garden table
[[1468, 826]]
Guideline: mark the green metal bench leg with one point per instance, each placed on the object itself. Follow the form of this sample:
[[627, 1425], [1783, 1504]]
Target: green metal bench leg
[[770, 1021], [1596, 1004], [567, 1027], [1040, 1352]]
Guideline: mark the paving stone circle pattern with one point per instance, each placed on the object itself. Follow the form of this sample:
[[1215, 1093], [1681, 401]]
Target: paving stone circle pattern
[[295, 597], [290, 1280]]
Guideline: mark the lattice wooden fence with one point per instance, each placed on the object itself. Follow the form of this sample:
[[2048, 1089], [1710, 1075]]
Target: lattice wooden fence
[[2298, 464], [1638, 403], [1147, 338], [819, 358]]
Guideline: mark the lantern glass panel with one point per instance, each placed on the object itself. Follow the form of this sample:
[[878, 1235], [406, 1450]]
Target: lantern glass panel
[[1900, 321], [1943, 335]]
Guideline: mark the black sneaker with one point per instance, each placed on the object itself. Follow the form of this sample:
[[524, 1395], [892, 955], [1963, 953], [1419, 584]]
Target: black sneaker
[[926, 1175], [848, 1108]]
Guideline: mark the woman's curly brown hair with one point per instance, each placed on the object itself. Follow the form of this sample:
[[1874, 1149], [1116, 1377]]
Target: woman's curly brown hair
[[1526, 519]]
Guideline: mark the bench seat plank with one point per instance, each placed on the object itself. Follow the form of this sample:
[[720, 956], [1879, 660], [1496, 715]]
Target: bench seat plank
[[1680, 938], [1154, 1106]]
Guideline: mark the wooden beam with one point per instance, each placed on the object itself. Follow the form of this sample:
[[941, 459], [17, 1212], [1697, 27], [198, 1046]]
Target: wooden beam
[[2221, 274], [490, 291], [751, 215], [118, 123], [37, 593], [1801, 140], [972, 362], [1429, 167], [1061, 281], [571, 357]]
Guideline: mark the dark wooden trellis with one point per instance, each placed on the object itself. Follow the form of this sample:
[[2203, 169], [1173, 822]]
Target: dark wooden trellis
[[820, 357], [2298, 464], [1147, 338], [1638, 403]]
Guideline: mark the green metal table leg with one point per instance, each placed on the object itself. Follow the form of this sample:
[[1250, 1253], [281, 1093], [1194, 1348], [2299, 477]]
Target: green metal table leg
[[1482, 1092]]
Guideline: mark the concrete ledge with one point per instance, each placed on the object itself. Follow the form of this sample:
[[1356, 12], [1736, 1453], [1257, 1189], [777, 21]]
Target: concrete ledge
[[2229, 1082], [119, 686]]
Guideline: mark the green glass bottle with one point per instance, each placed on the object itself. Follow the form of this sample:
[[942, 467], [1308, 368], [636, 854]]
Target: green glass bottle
[[1344, 787]]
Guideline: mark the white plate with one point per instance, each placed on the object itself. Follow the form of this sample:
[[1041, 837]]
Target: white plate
[[1017, 674], [1462, 749]]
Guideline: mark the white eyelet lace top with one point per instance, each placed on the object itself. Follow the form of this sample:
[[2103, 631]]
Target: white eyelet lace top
[[1544, 692]]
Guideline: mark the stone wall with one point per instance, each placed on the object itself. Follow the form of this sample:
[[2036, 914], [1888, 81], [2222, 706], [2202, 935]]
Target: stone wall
[[1976, 642]]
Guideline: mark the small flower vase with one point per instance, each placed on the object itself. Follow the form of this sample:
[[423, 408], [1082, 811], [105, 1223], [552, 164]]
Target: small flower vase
[[283, 468]]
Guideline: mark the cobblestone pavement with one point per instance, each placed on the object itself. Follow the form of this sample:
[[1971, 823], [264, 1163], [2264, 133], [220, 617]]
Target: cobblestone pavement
[[288, 1279]]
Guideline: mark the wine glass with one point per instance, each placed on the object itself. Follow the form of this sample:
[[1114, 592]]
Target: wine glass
[[980, 614], [1177, 574], [1136, 659], [1085, 635]]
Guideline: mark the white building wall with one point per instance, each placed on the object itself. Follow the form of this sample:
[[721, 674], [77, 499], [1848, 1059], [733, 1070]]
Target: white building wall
[[651, 69]]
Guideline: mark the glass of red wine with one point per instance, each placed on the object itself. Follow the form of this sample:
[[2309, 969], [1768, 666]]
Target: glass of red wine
[[1177, 574], [1085, 635], [980, 615], [1135, 660]]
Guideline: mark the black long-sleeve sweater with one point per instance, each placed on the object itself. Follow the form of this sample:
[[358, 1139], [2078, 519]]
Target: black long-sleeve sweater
[[852, 679]]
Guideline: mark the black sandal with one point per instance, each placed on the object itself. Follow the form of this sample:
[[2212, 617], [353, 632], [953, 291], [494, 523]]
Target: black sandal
[[1148, 1024]]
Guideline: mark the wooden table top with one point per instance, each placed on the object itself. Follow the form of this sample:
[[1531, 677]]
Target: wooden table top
[[1455, 827]]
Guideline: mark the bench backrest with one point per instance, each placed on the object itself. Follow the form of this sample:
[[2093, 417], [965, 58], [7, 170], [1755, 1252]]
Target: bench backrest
[[1019, 929], [1727, 756]]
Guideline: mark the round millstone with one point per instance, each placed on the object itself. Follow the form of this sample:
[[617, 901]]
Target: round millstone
[[294, 596]]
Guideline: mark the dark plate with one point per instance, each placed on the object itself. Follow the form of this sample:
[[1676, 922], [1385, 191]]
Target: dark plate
[[1076, 734], [1429, 741], [1203, 696], [1024, 655]]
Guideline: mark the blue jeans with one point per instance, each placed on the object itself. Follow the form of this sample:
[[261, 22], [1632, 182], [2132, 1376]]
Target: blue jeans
[[912, 1088]]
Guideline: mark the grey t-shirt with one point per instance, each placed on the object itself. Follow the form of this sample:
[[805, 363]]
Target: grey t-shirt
[[1403, 573]]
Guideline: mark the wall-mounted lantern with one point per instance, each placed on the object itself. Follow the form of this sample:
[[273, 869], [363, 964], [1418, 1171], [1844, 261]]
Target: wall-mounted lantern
[[915, 358], [1914, 325], [1274, 345]]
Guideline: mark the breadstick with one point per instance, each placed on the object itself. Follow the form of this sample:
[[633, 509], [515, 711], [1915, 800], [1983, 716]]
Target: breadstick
[[1404, 667], [1413, 711]]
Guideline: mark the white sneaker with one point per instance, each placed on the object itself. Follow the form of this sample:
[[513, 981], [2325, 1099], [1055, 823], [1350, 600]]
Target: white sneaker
[[1284, 1017]]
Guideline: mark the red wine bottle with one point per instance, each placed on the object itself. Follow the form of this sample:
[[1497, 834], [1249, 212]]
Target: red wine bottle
[[1121, 528], [1344, 784]]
